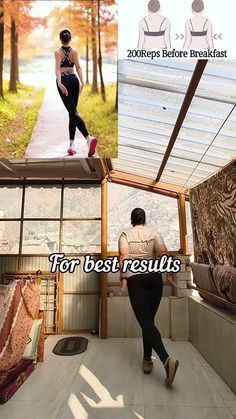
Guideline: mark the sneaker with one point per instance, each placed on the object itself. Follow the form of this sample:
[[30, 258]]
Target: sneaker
[[92, 146], [147, 366], [71, 151], [171, 369]]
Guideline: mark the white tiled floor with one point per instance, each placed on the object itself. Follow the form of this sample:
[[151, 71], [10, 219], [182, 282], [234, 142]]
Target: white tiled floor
[[106, 382]]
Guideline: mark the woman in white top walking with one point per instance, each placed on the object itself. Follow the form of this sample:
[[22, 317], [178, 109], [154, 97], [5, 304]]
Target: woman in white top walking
[[154, 29], [145, 290], [198, 30]]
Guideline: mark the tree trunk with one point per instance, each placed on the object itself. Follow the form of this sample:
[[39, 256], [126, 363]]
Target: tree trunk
[[116, 103], [13, 72], [1, 48], [87, 53], [17, 58], [87, 61], [103, 91], [94, 49]]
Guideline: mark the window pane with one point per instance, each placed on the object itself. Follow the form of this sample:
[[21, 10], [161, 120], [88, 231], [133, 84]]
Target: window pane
[[161, 211], [82, 201], [9, 237], [10, 202], [189, 228], [40, 237], [81, 236], [42, 202]]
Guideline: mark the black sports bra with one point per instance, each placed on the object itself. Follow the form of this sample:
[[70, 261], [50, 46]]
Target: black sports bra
[[66, 62], [200, 33], [151, 33]]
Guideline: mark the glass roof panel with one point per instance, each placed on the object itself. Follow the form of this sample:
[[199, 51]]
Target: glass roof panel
[[150, 98], [218, 156], [123, 165], [154, 126], [173, 179], [219, 81], [132, 94], [158, 110], [141, 145], [201, 173], [140, 155], [144, 73]]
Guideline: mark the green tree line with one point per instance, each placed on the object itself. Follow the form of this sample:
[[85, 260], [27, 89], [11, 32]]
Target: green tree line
[[94, 21]]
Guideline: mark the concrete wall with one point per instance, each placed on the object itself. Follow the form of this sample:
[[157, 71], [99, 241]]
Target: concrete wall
[[213, 333], [122, 322], [171, 318]]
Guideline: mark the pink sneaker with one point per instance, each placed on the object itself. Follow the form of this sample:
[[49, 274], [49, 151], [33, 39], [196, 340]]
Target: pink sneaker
[[92, 146], [71, 151]]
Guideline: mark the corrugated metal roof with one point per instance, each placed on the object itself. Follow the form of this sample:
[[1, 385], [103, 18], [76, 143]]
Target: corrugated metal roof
[[150, 98]]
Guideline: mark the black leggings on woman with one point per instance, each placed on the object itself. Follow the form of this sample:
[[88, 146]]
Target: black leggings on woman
[[145, 293], [71, 82]]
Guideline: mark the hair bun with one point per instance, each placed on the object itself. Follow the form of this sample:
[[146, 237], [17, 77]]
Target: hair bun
[[65, 35]]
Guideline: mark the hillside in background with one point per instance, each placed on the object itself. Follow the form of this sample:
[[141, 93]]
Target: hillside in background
[[160, 211]]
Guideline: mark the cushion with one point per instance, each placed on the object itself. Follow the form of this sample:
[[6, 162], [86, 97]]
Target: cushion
[[31, 349], [225, 280], [12, 379], [202, 276]]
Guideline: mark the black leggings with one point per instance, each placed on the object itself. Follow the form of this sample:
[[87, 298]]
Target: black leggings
[[71, 82], [145, 293]]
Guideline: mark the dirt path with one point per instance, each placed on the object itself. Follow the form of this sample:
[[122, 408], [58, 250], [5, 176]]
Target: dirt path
[[50, 135]]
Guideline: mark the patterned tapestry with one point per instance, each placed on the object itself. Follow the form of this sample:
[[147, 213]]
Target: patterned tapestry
[[213, 209]]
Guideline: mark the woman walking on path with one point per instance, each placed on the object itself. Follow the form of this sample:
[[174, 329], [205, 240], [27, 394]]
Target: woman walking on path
[[69, 88], [145, 290]]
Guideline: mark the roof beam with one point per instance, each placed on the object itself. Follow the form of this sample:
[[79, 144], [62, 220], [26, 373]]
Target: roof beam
[[86, 166], [97, 167], [73, 169], [109, 164], [104, 169], [143, 183], [10, 168], [194, 82]]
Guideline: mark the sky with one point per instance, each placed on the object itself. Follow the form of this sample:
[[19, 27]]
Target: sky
[[222, 15], [41, 8]]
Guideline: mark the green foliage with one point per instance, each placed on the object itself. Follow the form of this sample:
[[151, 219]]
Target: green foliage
[[18, 115], [101, 119], [7, 108]]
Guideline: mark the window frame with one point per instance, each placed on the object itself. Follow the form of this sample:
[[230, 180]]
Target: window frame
[[114, 252], [62, 183]]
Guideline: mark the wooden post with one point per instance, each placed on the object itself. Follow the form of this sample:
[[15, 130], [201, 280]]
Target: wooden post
[[60, 288], [193, 85], [104, 276], [182, 224]]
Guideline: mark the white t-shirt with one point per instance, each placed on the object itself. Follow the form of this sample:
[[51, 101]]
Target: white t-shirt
[[141, 242]]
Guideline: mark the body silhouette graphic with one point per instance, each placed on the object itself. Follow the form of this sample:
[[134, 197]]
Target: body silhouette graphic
[[154, 29], [198, 29]]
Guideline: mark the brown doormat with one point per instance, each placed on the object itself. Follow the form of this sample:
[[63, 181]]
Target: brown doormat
[[70, 346]]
